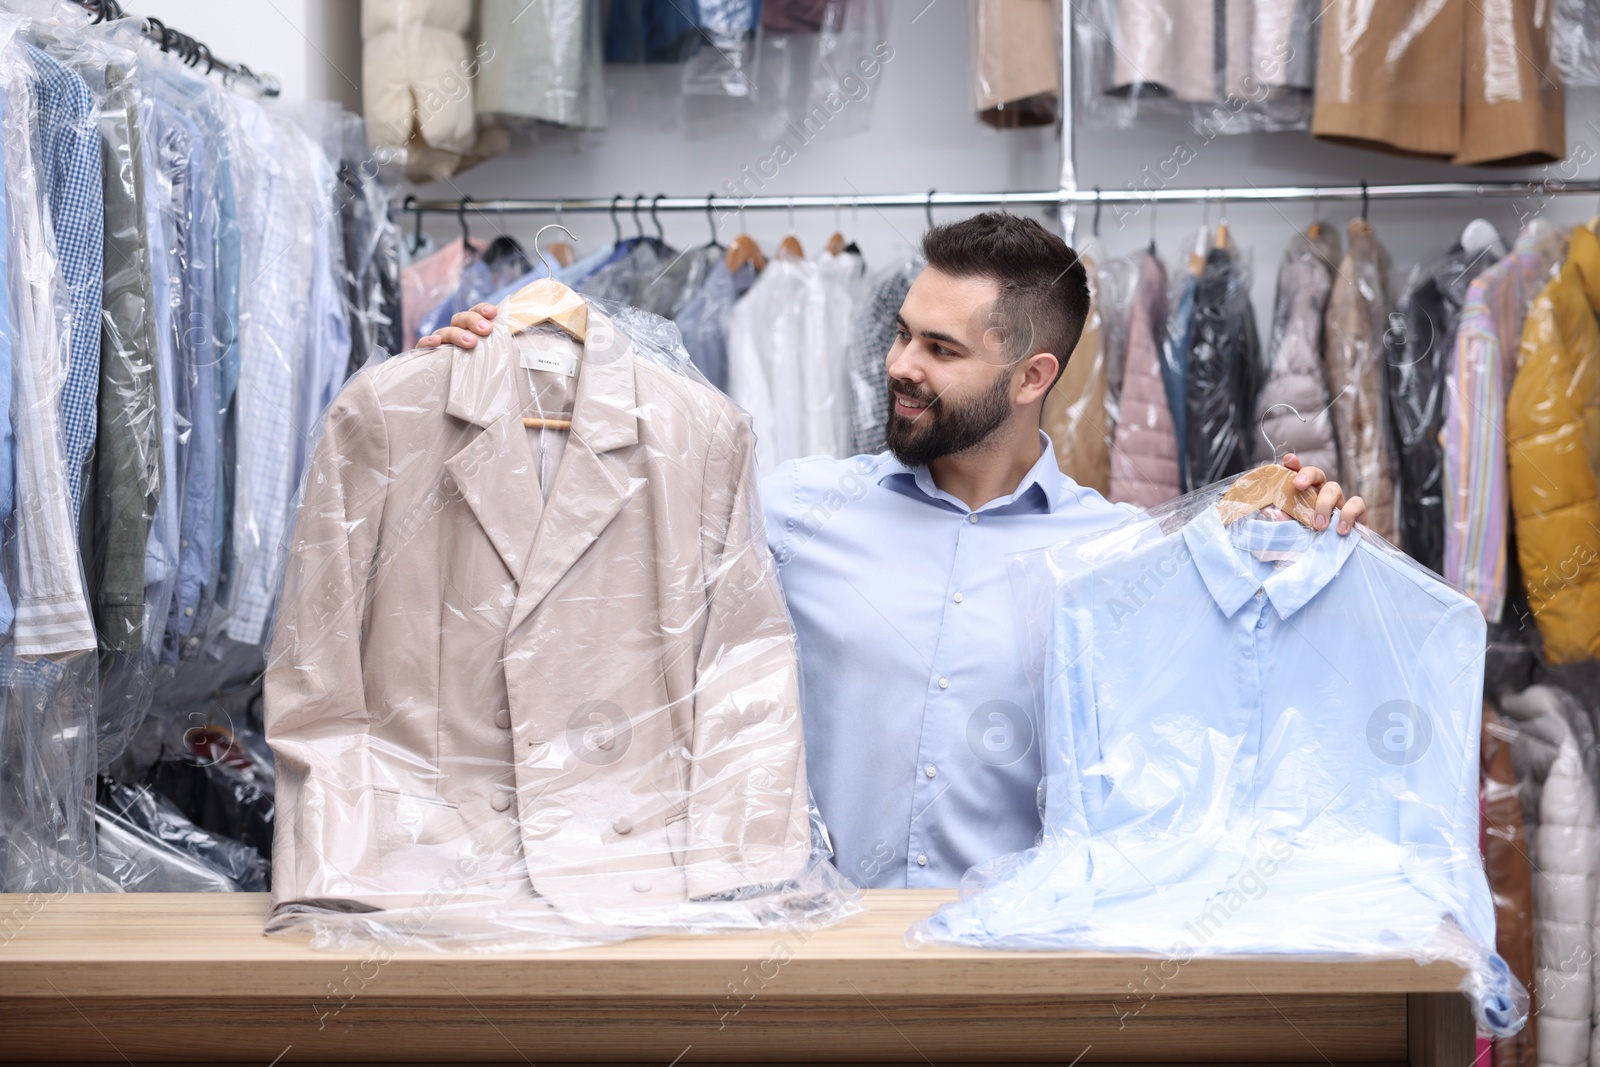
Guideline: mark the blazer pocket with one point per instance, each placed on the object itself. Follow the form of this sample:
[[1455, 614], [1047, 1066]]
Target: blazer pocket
[[406, 820]]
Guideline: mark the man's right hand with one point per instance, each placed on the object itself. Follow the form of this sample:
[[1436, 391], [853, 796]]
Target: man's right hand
[[464, 330]]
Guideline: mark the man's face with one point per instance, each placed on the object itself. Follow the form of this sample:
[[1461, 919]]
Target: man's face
[[949, 381]]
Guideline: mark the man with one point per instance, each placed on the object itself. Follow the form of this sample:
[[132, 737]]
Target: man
[[921, 745]]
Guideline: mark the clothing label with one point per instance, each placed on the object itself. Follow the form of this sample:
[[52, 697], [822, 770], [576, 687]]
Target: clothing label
[[1268, 555], [557, 361]]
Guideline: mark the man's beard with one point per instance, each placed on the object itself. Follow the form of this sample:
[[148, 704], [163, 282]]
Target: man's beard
[[941, 428]]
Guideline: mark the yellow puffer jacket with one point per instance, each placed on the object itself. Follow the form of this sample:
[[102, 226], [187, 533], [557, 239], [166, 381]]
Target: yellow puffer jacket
[[1553, 432]]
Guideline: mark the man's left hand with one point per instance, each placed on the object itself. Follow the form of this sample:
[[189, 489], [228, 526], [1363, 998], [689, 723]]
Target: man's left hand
[[1330, 496]]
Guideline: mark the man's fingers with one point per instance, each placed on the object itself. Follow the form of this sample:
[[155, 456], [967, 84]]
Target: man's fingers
[[487, 310], [1291, 461], [453, 335], [1354, 511], [1330, 497], [430, 341]]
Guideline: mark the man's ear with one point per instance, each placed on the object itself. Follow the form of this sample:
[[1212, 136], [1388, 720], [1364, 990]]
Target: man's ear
[[1038, 373]]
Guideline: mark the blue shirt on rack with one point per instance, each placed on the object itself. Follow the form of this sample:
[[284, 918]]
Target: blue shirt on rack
[[921, 730]]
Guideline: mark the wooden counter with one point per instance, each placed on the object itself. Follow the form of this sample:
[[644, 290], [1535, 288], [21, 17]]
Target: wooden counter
[[148, 978]]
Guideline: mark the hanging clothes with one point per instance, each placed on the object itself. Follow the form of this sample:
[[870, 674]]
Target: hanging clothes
[[1551, 417], [1074, 414], [548, 61], [1018, 72], [1358, 312], [1506, 848], [1175, 364], [1292, 413], [1222, 373], [872, 334], [704, 321], [1468, 82], [425, 283], [1476, 488], [1417, 354], [1144, 456]]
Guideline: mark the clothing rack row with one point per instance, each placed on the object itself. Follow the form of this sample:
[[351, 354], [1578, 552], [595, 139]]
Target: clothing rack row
[[932, 199], [191, 51]]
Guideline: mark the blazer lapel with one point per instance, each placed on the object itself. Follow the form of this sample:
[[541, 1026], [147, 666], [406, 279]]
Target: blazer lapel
[[591, 486], [495, 471]]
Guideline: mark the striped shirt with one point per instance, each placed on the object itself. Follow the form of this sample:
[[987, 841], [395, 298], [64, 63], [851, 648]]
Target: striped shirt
[[1475, 478]]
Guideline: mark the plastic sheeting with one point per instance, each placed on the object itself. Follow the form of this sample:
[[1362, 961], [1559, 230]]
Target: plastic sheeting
[[1320, 797], [1223, 371], [572, 713], [1292, 410], [1229, 67], [146, 845]]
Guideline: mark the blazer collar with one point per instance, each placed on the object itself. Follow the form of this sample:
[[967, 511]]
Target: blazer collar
[[1231, 580]]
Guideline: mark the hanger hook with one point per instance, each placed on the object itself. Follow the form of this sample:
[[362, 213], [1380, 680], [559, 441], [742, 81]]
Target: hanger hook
[[1363, 200], [927, 207], [1096, 230], [638, 227], [791, 215], [461, 217], [711, 219], [538, 247], [616, 225], [1153, 203], [661, 235], [411, 205]]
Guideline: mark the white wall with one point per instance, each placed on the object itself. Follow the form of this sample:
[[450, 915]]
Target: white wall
[[922, 134]]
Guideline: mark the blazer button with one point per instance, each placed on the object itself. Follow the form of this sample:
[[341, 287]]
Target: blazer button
[[501, 800], [502, 718], [623, 825], [642, 885]]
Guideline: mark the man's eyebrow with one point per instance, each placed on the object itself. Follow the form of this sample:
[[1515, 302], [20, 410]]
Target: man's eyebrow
[[936, 335]]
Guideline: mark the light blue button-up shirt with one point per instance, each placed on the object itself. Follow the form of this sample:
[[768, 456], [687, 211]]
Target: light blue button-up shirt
[[920, 725], [1257, 739]]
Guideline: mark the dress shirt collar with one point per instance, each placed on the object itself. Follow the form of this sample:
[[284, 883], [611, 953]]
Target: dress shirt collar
[[1229, 577], [1042, 488]]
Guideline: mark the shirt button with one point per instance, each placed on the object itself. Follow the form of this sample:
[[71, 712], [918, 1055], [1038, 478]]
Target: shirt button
[[957, 598], [922, 861], [930, 770], [1261, 623], [973, 517], [500, 801], [188, 611], [944, 683], [502, 718], [1258, 594]]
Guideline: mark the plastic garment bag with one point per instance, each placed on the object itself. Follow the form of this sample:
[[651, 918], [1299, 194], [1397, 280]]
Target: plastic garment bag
[[1575, 44], [1144, 447], [1223, 371], [1016, 72], [146, 845], [371, 249], [1318, 795], [1507, 846], [1561, 803], [1292, 411], [1357, 316], [1418, 347], [1074, 413], [872, 334], [573, 710], [726, 63]]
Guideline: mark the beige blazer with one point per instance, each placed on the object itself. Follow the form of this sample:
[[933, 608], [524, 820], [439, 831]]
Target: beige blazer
[[588, 702]]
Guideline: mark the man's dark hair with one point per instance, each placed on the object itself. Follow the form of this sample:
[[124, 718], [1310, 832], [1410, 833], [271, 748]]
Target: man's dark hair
[[1044, 290]]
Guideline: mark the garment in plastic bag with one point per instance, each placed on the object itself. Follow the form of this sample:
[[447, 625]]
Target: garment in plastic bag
[[1074, 414], [1144, 446], [1551, 415], [226, 799], [1292, 413], [1458, 80], [427, 281], [1016, 68], [148, 846], [1230, 67], [1559, 806], [1320, 800], [1418, 346], [727, 61], [1353, 328], [872, 335], [1116, 279], [371, 249], [1575, 43], [1223, 371], [47, 676], [703, 320], [573, 711], [1506, 847]]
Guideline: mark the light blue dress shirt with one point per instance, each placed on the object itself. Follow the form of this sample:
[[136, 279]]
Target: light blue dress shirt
[[920, 727], [1257, 739], [8, 609]]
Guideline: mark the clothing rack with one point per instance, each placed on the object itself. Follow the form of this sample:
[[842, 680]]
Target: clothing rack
[[1054, 197], [188, 49]]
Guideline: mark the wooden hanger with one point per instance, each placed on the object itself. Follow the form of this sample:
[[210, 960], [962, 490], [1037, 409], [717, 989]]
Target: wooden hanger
[[547, 300], [836, 244], [562, 253], [743, 249], [789, 248], [1270, 485]]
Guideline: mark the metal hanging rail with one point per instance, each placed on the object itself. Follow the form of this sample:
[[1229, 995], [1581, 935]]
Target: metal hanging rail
[[186, 48], [1050, 197]]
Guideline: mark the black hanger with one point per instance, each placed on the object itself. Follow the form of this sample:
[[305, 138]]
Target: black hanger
[[1153, 227], [416, 240], [461, 217], [505, 248], [158, 28], [615, 225], [1363, 201], [661, 235], [1096, 230], [711, 220], [928, 207], [638, 227]]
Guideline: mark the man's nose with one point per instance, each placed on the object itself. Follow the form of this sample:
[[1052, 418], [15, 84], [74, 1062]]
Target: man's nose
[[902, 364]]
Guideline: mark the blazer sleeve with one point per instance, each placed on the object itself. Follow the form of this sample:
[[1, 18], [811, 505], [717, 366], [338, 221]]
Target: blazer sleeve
[[317, 721], [748, 822]]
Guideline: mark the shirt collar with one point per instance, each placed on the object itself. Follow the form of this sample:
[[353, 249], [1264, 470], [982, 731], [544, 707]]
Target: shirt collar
[[1043, 481], [1231, 581]]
